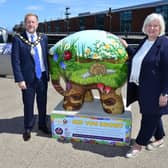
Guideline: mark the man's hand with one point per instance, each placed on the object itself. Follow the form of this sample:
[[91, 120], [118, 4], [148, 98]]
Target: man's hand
[[163, 100], [22, 85]]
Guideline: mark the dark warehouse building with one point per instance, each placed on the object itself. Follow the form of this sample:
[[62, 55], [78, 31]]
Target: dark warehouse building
[[122, 20]]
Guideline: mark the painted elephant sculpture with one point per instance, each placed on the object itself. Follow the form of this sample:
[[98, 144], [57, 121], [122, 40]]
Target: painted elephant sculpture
[[86, 60]]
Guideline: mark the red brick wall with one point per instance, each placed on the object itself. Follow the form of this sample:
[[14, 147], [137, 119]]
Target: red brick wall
[[138, 17]]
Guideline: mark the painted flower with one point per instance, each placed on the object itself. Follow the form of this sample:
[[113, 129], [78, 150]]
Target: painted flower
[[87, 51], [120, 51], [107, 46], [96, 56], [55, 57], [67, 55], [63, 65]]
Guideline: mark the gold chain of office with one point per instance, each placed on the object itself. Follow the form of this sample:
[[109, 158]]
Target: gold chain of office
[[32, 44]]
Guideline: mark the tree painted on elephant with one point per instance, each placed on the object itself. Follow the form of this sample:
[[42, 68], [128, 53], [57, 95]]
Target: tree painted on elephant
[[86, 60]]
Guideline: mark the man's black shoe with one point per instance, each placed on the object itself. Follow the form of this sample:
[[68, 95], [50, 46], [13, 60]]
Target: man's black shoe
[[44, 129], [27, 135]]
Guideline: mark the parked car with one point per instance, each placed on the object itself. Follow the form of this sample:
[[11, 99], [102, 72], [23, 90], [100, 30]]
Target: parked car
[[5, 52]]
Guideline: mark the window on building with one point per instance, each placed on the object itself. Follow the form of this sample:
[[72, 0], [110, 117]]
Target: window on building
[[125, 21], [82, 23], [164, 11], [57, 28], [42, 28], [49, 27], [100, 21]]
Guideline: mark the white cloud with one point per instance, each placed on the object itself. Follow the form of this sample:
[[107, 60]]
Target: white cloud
[[35, 8]]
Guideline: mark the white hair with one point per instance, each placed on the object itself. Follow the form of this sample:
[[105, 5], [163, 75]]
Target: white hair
[[154, 16]]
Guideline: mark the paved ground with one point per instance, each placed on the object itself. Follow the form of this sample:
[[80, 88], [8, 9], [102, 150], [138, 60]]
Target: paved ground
[[46, 152]]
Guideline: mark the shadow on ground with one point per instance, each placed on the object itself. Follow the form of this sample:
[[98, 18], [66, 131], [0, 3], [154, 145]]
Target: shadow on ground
[[105, 150], [101, 149], [15, 126]]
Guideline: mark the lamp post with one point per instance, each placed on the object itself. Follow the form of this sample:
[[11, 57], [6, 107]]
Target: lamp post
[[67, 13], [109, 14], [126, 31], [45, 26]]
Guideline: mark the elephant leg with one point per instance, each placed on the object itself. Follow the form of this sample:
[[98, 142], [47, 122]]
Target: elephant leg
[[74, 98], [112, 102]]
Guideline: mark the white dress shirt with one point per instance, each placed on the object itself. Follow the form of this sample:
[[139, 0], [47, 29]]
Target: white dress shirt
[[39, 50], [137, 61]]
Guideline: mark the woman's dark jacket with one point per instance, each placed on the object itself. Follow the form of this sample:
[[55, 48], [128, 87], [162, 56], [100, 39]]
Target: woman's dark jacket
[[153, 79]]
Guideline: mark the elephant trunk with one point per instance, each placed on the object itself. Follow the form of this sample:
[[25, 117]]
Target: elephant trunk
[[58, 87]]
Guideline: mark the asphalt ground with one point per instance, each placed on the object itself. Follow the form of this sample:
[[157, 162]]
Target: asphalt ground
[[46, 152]]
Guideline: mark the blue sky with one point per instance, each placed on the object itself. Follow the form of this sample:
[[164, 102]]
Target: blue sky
[[12, 11]]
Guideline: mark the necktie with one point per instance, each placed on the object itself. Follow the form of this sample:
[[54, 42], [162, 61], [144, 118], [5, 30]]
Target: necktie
[[36, 60]]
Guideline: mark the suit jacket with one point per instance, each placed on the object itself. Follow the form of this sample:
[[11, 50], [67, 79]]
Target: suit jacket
[[22, 61], [153, 79]]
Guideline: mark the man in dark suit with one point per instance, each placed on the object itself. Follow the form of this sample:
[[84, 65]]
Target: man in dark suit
[[31, 72]]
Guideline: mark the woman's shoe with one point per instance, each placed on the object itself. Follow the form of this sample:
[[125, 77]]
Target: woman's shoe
[[155, 145], [134, 151]]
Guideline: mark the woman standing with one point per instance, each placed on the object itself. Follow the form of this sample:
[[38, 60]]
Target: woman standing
[[148, 83]]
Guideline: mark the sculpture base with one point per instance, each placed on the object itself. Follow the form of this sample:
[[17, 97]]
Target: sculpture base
[[91, 124]]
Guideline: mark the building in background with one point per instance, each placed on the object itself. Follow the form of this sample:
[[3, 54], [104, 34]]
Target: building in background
[[127, 20]]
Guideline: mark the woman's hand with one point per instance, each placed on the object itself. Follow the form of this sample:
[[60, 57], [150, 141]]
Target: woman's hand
[[123, 42], [163, 100]]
